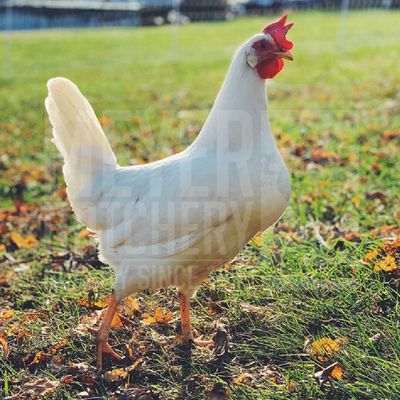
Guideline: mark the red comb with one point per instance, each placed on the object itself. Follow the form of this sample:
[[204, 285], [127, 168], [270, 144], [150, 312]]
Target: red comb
[[278, 31]]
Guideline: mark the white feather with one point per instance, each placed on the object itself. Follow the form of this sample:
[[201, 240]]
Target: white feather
[[172, 221]]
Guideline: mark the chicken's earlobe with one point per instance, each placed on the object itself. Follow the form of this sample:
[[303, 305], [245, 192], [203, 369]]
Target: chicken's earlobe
[[251, 59]]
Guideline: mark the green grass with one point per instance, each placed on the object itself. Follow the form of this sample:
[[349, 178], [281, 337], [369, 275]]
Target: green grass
[[155, 86]]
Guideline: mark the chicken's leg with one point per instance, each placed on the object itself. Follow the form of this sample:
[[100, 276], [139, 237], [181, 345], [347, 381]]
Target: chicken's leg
[[187, 335], [103, 332]]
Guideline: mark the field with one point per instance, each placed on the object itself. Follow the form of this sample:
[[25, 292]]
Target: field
[[320, 287]]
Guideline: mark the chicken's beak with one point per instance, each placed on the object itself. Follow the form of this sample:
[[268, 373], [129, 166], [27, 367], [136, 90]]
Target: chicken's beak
[[287, 55]]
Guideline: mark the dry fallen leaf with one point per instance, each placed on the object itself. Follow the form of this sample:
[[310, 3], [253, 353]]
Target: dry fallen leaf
[[388, 264], [26, 242], [333, 371], [137, 120], [61, 193], [6, 314], [88, 321], [116, 321], [377, 337], [97, 305], [371, 255], [5, 346], [391, 135], [243, 379], [58, 346], [40, 387], [392, 247], [37, 358], [115, 375], [352, 237], [158, 317], [337, 372], [104, 120], [323, 156], [258, 240], [130, 306], [162, 318], [83, 233], [5, 278], [386, 231], [324, 348]]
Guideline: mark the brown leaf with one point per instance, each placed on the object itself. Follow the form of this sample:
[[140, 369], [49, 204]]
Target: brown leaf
[[57, 363], [388, 264], [137, 120], [324, 348], [333, 371], [5, 346], [83, 233], [58, 346], [104, 120], [376, 196], [162, 318], [40, 387], [323, 156], [115, 375], [391, 135], [376, 167], [61, 193], [243, 379], [352, 237], [5, 278], [148, 319], [258, 240], [371, 255], [35, 359], [97, 305], [26, 242], [386, 231], [88, 321], [116, 321], [392, 247], [67, 379], [6, 314], [159, 317], [130, 305]]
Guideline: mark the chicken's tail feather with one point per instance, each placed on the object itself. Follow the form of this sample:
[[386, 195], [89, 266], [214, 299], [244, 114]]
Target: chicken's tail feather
[[89, 160]]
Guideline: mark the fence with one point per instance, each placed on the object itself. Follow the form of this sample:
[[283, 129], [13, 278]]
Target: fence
[[44, 14]]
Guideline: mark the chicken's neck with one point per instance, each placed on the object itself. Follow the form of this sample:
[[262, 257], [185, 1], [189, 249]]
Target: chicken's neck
[[239, 113]]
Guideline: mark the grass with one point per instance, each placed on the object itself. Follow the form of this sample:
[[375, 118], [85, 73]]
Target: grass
[[335, 113]]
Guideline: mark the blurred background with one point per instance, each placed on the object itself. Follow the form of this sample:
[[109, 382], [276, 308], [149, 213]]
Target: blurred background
[[42, 14]]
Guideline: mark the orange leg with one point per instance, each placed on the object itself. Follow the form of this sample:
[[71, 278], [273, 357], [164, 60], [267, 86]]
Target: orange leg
[[103, 332], [187, 334]]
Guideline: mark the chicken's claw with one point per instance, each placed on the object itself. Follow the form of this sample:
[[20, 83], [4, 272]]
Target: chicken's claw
[[103, 347], [203, 342]]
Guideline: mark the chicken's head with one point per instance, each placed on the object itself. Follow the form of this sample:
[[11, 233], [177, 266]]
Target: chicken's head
[[269, 48]]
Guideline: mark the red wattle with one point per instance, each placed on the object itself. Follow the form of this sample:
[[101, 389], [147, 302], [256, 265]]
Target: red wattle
[[268, 71]]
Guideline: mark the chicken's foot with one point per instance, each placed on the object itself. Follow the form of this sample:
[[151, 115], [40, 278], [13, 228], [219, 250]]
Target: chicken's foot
[[186, 326], [103, 332]]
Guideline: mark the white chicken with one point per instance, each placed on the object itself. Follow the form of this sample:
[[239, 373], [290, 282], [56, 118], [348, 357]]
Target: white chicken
[[171, 222]]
